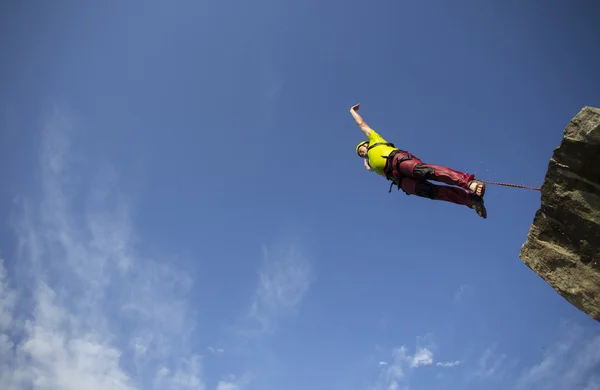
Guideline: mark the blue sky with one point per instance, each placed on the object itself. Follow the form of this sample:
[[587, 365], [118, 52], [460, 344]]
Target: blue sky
[[182, 206]]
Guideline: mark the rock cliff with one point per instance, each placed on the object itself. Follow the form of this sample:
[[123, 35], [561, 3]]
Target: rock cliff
[[563, 244]]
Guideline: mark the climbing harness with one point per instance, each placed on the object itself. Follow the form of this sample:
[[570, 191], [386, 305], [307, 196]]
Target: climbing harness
[[395, 180], [389, 167]]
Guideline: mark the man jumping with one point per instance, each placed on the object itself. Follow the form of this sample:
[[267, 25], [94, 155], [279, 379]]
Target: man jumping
[[412, 175]]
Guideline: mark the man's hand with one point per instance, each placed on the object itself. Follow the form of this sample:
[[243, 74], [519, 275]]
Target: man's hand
[[367, 165], [359, 120]]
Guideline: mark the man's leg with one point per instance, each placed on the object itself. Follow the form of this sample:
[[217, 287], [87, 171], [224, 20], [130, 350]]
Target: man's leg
[[456, 195], [425, 189], [416, 168]]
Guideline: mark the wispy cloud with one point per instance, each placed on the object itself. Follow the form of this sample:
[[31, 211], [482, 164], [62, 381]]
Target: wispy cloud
[[215, 351], [186, 374], [448, 364], [463, 291], [490, 362], [395, 371], [88, 311], [284, 279], [233, 383], [222, 385], [593, 383], [272, 84], [572, 362]]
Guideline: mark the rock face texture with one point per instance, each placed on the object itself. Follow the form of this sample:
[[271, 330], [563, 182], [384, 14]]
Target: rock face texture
[[563, 244]]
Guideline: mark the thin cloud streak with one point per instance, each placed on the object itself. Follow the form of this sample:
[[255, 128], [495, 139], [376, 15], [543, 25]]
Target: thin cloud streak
[[448, 364], [284, 280], [89, 312]]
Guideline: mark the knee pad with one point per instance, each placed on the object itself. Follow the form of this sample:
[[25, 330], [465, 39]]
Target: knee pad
[[420, 171], [425, 190]]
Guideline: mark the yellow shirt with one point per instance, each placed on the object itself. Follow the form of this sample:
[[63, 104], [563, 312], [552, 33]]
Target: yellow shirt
[[377, 154]]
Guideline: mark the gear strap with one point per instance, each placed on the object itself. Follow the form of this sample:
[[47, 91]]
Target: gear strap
[[390, 166]]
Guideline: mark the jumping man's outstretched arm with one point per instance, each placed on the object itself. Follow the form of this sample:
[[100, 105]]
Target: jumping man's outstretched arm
[[359, 120]]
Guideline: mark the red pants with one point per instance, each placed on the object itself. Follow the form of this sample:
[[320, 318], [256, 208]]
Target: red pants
[[415, 175]]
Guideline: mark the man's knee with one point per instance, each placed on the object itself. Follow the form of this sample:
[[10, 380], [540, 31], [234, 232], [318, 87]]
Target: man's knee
[[423, 172], [425, 189]]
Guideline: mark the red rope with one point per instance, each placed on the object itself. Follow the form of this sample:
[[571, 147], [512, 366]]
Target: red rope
[[510, 185]]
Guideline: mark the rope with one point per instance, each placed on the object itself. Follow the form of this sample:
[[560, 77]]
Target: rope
[[510, 185]]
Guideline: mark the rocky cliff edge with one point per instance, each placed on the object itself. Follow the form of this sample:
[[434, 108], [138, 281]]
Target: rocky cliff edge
[[563, 244]]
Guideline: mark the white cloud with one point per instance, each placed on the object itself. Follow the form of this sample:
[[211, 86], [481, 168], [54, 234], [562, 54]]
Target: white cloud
[[284, 279], [423, 357], [53, 353], [448, 364], [396, 372], [92, 313]]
